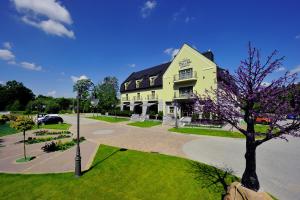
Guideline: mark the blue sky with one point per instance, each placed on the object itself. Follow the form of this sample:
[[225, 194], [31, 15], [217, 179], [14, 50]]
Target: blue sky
[[47, 44]]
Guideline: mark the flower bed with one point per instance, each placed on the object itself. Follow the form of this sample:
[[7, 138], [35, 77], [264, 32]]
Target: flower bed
[[60, 146], [46, 132], [45, 139]]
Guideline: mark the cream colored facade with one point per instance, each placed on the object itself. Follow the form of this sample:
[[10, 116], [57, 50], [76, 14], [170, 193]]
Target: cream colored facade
[[190, 72]]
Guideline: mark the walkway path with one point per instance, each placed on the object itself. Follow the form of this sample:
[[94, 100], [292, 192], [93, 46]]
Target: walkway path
[[277, 161]]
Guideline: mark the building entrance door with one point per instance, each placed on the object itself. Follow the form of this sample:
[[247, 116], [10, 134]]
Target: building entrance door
[[186, 109]]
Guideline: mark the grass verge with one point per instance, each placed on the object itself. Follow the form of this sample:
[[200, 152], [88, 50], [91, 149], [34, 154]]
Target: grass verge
[[209, 132], [145, 124], [5, 129], [122, 174], [27, 159], [110, 119], [62, 126]]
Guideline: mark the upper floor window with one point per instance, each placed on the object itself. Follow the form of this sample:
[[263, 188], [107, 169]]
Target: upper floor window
[[186, 73], [138, 83], [126, 85], [152, 80]]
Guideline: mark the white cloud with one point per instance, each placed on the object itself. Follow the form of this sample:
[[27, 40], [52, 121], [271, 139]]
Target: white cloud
[[188, 19], [7, 45], [50, 27], [47, 15], [2, 82], [265, 84], [280, 69], [9, 57], [30, 66], [75, 78], [177, 14], [49, 8], [51, 93], [171, 52], [297, 36], [147, 8], [6, 54], [132, 65], [12, 62], [296, 70]]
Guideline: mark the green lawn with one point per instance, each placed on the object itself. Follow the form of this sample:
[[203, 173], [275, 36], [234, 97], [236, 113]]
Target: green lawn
[[221, 133], [145, 124], [110, 119], [121, 174], [62, 126], [210, 132], [261, 128], [5, 129]]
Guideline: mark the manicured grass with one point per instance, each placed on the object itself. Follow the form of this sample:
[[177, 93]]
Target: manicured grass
[[121, 174], [28, 158], [209, 132], [62, 126], [5, 129], [261, 128], [145, 124], [110, 119]]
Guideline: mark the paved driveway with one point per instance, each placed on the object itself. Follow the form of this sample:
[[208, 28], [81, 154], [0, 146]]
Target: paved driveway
[[278, 162]]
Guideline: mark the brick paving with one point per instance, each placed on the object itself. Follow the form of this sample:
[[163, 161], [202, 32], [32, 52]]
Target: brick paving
[[155, 139]]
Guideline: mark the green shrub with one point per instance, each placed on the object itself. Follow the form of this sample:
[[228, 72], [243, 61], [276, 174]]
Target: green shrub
[[34, 140], [46, 132], [2, 121], [206, 115], [12, 117], [123, 113], [195, 117], [5, 117], [65, 111], [60, 146], [160, 115]]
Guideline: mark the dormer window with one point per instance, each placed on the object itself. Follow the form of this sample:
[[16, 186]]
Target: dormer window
[[138, 83], [126, 85], [152, 80]]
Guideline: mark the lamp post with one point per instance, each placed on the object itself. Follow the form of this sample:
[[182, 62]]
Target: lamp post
[[78, 156], [84, 85], [176, 120]]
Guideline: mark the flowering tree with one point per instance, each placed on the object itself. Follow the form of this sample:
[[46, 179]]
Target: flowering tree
[[245, 95], [23, 123]]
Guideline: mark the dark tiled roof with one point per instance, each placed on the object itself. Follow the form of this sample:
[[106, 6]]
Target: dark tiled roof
[[209, 55], [158, 71]]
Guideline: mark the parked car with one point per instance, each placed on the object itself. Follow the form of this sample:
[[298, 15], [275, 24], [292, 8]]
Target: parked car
[[50, 119], [263, 120], [42, 116], [293, 117]]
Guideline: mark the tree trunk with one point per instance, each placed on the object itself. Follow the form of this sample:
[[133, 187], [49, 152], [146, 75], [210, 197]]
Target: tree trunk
[[24, 145], [249, 179]]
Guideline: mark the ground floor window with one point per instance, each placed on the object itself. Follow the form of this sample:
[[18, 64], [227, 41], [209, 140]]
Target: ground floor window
[[171, 109]]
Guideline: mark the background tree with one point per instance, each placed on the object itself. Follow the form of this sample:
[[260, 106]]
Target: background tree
[[16, 93], [107, 92], [83, 88], [245, 95], [23, 123]]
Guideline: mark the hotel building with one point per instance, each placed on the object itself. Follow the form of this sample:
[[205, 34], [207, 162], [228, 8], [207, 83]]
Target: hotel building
[[170, 86]]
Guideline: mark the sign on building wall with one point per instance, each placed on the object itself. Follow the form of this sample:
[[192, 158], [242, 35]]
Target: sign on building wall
[[185, 63]]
